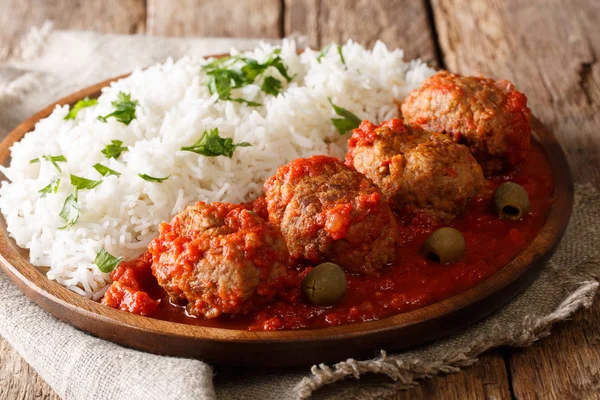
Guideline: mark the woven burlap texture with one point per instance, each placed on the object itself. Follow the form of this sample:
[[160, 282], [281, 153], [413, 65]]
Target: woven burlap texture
[[50, 64]]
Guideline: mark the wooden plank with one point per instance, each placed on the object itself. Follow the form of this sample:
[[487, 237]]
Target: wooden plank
[[228, 18], [549, 49], [17, 17], [398, 23], [18, 380], [564, 366], [487, 379], [302, 17]]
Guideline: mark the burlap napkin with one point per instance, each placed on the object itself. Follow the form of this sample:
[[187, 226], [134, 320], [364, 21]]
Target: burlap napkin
[[51, 64]]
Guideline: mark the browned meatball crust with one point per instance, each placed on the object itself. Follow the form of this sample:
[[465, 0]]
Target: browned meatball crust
[[418, 171], [330, 212], [491, 118], [219, 258]]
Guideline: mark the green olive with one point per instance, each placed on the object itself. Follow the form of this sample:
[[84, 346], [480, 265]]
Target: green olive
[[325, 285], [511, 201], [445, 245]]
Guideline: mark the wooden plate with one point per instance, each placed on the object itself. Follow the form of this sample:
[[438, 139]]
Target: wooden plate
[[286, 348]]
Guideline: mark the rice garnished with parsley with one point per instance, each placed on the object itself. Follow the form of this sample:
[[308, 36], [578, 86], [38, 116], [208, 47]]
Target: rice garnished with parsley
[[91, 184]]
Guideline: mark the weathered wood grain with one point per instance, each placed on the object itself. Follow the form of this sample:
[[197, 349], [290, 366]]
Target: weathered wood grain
[[398, 23], [564, 366], [18, 380], [302, 17], [229, 18], [488, 379], [549, 49], [17, 17]]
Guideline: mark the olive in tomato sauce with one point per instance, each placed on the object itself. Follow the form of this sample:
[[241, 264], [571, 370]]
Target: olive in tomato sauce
[[511, 201], [445, 245], [325, 285]]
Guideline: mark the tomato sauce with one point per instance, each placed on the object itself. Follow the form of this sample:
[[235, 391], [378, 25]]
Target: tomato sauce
[[411, 282]]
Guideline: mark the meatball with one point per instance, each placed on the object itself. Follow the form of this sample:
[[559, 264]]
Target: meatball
[[330, 212], [491, 118], [418, 171], [128, 292], [219, 258]]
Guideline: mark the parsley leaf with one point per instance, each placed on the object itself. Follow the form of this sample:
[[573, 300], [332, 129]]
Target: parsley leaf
[[87, 102], [104, 171], [60, 158], [228, 73], [248, 102], [252, 69], [323, 53], [52, 187], [83, 183], [339, 49], [70, 210], [153, 179], [211, 144], [222, 81], [347, 123], [114, 149], [106, 262], [271, 85], [53, 159], [124, 109], [218, 63]]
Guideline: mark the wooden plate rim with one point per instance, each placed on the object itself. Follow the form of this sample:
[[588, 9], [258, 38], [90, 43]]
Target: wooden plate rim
[[49, 294]]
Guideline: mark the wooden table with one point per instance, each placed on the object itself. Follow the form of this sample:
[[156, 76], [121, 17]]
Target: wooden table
[[549, 49]]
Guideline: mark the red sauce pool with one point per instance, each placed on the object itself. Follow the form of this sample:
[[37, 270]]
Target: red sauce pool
[[412, 281]]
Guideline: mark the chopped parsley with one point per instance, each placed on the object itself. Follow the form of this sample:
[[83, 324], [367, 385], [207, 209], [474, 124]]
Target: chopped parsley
[[323, 53], [70, 210], [52, 187], [229, 73], [114, 149], [347, 123], [211, 144], [124, 109], [106, 262], [104, 171], [252, 69], [87, 102], [222, 81], [53, 159], [153, 179], [271, 85], [339, 49], [83, 183]]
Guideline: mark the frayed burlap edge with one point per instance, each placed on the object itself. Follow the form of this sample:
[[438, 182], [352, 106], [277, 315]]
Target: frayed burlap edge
[[407, 374], [578, 281], [30, 47], [33, 43]]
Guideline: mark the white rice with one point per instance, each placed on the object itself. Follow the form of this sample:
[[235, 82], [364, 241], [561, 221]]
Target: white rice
[[123, 213]]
